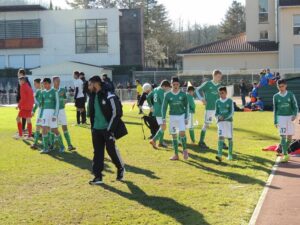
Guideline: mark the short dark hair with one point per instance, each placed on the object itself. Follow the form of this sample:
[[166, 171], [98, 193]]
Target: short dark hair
[[175, 79], [95, 79], [223, 88], [37, 80], [55, 77], [104, 75], [191, 88], [22, 78], [215, 72], [82, 74], [254, 83], [281, 81], [47, 80], [165, 83], [138, 81], [76, 72], [22, 71]]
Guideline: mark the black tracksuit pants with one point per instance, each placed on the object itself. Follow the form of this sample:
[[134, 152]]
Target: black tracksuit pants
[[102, 139]]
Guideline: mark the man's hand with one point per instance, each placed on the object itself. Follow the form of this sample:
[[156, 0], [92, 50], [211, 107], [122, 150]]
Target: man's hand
[[276, 125], [151, 109], [204, 101], [54, 119], [32, 114], [164, 126], [186, 121]]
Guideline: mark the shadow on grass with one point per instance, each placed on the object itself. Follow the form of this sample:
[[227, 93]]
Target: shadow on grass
[[82, 162], [257, 135], [133, 123], [167, 206]]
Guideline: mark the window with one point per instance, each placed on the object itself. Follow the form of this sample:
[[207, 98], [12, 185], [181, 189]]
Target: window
[[264, 35], [91, 36], [297, 25], [10, 29], [23, 61], [263, 11], [2, 62]]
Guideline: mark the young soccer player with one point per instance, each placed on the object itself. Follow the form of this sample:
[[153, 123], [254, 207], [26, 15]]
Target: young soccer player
[[179, 110], [25, 107], [62, 118], [50, 108], [190, 126], [208, 94], [285, 112], [37, 105], [224, 116], [157, 97]]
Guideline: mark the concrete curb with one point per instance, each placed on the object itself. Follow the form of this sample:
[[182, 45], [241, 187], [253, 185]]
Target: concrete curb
[[264, 194]]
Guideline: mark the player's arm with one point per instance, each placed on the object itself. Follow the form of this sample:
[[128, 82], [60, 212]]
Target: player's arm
[[200, 91], [217, 113], [164, 108], [56, 104], [192, 104], [275, 110], [150, 99], [187, 107], [295, 107]]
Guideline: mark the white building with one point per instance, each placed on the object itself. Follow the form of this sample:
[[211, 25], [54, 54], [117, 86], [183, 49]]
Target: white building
[[272, 40]]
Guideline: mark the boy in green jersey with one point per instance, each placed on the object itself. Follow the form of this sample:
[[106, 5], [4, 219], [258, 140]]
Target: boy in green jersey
[[285, 109], [37, 105], [190, 96], [155, 100], [208, 94], [224, 114], [50, 109], [179, 110], [62, 118]]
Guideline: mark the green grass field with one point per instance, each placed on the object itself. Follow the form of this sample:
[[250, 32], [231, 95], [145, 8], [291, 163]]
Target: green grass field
[[54, 189]]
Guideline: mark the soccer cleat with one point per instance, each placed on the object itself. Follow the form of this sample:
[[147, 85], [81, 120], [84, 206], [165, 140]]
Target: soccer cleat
[[28, 138], [163, 145], [219, 158], [96, 181], [229, 157], [17, 137], [174, 158], [34, 147], [44, 151], [62, 149], [185, 154], [120, 174], [71, 148], [152, 142], [285, 159], [203, 146]]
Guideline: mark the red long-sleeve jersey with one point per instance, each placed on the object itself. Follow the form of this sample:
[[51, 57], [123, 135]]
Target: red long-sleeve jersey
[[27, 98]]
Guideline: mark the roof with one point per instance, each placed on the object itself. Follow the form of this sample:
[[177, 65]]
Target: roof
[[235, 44], [289, 2]]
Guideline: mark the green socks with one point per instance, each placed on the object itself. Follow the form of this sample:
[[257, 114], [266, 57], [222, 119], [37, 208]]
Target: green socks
[[202, 136], [230, 147], [283, 143], [36, 137], [161, 140], [58, 138], [45, 141], [175, 145], [183, 141], [158, 135], [51, 138], [220, 147], [192, 135], [67, 137]]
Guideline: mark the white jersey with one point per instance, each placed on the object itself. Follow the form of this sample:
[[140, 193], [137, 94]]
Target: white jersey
[[79, 84]]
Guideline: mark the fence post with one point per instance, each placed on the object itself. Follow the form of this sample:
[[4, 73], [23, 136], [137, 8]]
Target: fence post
[[7, 100], [252, 78]]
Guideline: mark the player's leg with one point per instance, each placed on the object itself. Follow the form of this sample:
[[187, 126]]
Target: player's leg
[[228, 133], [83, 112], [62, 120], [173, 131], [20, 129], [23, 123], [190, 126], [283, 130], [208, 119], [45, 131], [230, 148], [221, 132], [182, 135], [29, 127], [158, 134]]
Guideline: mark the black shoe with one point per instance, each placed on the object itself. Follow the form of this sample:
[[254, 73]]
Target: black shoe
[[96, 181], [203, 146], [120, 174]]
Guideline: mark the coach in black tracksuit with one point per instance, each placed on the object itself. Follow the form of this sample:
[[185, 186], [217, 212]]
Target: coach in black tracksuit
[[105, 112]]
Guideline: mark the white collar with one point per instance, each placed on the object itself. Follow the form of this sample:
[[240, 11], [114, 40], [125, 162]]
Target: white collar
[[175, 93], [283, 95], [223, 100]]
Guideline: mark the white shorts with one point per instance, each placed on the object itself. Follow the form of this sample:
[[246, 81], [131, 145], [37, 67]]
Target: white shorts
[[47, 118], [209, 116], [190, 124], [62, 118], [177, 124], [225, 129], [286, 125], [38, 118], [159, 120]]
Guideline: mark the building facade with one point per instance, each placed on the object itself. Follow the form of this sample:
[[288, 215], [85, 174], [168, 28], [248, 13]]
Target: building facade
[[271, 40], [33, 37]]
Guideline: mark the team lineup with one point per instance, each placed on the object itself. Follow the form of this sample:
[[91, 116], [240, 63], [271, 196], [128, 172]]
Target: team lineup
[[105, 112]]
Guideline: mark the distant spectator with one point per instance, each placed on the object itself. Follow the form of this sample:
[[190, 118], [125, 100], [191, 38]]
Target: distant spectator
[[109, 85], [243, 91], [263, 79], [139, 91], [254, 93], [258, 106], [269, 75], [277, 76]]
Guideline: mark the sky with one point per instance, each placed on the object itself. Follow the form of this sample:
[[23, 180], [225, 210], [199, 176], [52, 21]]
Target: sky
[[205, 12]]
